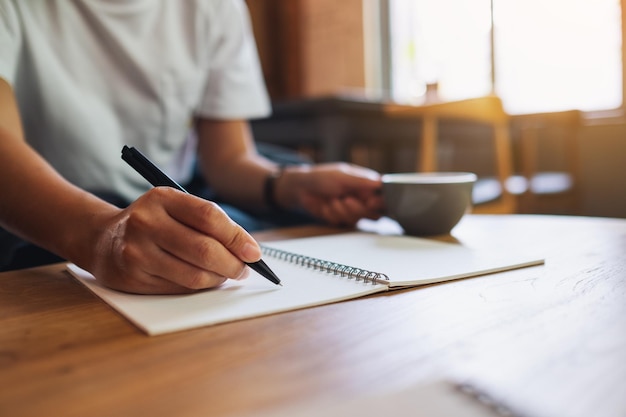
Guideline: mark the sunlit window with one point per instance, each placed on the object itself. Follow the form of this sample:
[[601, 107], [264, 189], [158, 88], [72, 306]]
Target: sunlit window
[[549, 55]]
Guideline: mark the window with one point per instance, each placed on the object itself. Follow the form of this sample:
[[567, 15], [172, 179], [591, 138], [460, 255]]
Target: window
[[548, 55]]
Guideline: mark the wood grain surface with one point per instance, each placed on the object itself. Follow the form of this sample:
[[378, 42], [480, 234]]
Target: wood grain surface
[[545, 341]]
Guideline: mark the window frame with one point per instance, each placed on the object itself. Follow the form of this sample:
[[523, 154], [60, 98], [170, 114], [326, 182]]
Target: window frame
[[382, 76]]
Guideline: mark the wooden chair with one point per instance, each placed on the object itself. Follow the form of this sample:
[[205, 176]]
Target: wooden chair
[[486, 111], [548, 161]]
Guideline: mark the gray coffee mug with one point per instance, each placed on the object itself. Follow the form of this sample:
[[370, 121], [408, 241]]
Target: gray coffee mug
[[428, 203]]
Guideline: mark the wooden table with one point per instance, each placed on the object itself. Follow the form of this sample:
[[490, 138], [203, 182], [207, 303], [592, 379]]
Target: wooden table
[[393, 137], [331, 127], [547, 340]]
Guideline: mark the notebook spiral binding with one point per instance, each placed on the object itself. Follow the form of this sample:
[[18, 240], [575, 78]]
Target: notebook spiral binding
[[490, 402], [326, 266]]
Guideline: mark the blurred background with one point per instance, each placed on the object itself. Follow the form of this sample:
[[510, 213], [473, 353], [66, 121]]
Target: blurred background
[[526, 93]]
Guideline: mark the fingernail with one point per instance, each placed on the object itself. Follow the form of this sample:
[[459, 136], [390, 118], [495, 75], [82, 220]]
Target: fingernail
[[250, 253]]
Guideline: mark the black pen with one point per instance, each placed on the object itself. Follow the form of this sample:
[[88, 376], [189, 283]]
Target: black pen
[[158, 178]]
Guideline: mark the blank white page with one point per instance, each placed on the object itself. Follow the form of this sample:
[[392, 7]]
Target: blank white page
[[235, 300], [406, 260]]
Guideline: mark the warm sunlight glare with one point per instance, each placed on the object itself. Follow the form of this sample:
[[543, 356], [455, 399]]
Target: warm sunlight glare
[[549, 54]]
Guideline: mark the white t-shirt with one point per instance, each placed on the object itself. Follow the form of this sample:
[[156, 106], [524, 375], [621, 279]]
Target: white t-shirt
[[93, 75]]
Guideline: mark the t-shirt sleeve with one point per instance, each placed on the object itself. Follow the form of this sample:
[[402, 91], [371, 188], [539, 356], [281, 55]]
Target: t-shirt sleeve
[[10, 40], [235, 87]]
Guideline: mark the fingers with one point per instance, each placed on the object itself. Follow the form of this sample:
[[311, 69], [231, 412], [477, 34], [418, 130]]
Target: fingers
[[346, 211], [336, 179], [343, 211], [155, 270], [208, 219], [342, 194], [172, 242], [153, 285]]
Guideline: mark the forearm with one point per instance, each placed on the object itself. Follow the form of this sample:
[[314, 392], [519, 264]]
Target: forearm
[[230, 163], [37, 203], [164, 242], [338, 193], [43, 208]]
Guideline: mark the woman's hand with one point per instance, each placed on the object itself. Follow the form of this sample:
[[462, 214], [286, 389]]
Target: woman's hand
[[171, 242], [338, 193]]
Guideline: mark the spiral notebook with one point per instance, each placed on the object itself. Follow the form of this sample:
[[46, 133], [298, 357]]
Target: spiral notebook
[[314, 271]]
